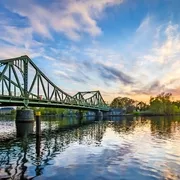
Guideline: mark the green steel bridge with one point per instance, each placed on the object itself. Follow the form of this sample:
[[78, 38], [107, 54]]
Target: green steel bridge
[[22, 83]]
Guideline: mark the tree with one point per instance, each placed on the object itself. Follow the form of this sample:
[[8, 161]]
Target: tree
[[142, 106], [177, 103], [123, 102], [162, 104]]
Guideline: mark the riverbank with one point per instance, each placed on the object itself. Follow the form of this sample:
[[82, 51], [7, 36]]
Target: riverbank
[[145, 114]]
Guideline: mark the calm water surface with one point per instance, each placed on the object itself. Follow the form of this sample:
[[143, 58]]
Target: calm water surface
[[121, 148]]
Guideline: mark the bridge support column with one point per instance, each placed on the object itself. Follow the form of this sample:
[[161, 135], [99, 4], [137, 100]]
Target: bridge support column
[[98, 115], [105, 114], [24, 122], [80, 114]]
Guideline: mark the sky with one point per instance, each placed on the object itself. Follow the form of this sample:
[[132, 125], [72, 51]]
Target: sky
[[121, 47]]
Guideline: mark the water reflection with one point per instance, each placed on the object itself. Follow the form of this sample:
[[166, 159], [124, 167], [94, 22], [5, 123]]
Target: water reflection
[[57, 135], [165, 127], [128, 147]]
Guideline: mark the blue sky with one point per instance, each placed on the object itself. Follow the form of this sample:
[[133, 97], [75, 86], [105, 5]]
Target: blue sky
[[120, 47]]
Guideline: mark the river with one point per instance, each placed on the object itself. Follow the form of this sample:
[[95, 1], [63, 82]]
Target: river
[[121, 148]]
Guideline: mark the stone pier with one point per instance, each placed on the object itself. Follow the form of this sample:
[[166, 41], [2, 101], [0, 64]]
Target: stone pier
[[24, 122]]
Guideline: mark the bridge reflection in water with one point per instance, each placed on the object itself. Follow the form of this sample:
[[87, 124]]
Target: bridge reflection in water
[[40, 150], [31, 157]]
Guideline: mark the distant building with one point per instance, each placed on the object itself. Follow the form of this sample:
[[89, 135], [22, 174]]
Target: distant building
[[6, 110]]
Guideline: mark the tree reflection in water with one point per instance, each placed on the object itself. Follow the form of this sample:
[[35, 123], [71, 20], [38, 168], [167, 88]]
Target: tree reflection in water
[[20, 158], [164, 127]]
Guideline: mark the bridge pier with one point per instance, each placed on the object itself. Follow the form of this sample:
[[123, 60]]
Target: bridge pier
[[24, 122], [80, 114], [99, 115], [105, 114]]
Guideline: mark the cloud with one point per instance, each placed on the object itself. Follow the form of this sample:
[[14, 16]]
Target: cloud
[[175, 91], [13, 51], [156, 65], [104, 55], [92, 63], [17, 41], [168, 49], [71, 77], [71, 18], [152, 88], [155, 86], [144, 26], [112, 74], [16, 36]]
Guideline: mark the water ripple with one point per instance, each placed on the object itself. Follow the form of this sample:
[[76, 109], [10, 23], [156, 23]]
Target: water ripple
[[127, 148]]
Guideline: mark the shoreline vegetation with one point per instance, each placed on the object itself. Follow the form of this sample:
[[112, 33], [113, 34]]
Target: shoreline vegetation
[[160, 105]]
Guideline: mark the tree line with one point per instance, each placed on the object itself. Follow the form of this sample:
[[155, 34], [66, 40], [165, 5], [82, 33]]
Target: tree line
[[161, 104]]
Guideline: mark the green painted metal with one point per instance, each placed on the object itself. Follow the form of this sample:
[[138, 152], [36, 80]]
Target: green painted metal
[[17, 89]]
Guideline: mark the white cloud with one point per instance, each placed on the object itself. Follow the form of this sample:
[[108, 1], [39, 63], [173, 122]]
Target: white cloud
[[13, 51], [144, 27], [163, 59], [61, 73], [168, 49], [69, 17], [155, 49], [106, 56], [17, 41]]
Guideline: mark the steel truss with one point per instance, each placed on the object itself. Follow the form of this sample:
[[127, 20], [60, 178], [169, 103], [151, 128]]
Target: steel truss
[[17, 89]]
